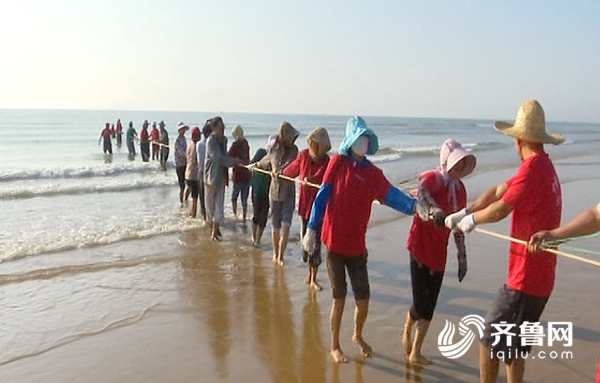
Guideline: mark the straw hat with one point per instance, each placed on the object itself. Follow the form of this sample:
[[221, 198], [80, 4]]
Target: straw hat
[[321, 137], [183, 126], [530, 125]]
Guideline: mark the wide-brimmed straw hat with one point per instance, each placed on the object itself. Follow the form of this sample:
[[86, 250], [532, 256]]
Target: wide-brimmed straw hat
[[183, 126], [530, 125]]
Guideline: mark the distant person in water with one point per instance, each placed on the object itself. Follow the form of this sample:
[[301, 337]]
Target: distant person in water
[[131, 135], [310, 166], [164, 145], [112, 131], [119, 132], [201, 151], [155, 136], [241, 176], [260, 183], [145, 142], [216, 176], [105, 135], [191, 170], [180, 157]]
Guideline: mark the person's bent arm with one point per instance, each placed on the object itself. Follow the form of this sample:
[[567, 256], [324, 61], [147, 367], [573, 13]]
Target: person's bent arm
[[495, 212], [586, 223], [488, 197], [319, 207]]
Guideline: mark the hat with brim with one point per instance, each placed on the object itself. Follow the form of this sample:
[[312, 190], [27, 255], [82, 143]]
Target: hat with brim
[[321, 137], [181, 126], [530, 125], [356, 127]]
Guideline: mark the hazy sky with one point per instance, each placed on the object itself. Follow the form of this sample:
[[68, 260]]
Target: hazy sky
[[477, 59]]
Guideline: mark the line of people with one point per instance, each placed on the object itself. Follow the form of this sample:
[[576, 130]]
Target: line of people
[[157, 139]]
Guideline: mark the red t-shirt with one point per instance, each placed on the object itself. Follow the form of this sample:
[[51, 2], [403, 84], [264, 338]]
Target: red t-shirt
[[240, 149], [106, 134], [598, 375], [427, 243], [154, 134], [144, 135], [354, 188], [305, 167], [535, 196]]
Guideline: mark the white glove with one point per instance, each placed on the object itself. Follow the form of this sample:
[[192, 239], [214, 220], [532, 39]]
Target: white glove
[[453, 219], [467, 224], [309, 241]]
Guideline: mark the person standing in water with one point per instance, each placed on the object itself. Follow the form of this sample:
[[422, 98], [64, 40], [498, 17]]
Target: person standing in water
[[164, 146], [130, 136], [105, 135], [310, 166], [241, 175], [428, 242], [216, 176], [119, 131], [201, 151], [155, 136], [342, 208], [260, 184], [145, 142], [282, 192], [180, 158], [191, 170]]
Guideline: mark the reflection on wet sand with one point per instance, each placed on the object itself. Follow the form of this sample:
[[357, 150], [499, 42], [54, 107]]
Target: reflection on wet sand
[[313, 360]]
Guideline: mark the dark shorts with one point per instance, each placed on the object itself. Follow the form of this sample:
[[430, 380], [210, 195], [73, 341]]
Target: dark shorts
[[164, 154], [512, 307], [107, 147], [260, 205], [426, 286], [131, 147], [314, 259], [337, 264], [180, 170], [282, 213], [244, 190], [193, 185]]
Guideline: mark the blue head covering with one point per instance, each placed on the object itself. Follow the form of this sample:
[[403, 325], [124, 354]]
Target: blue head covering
[[356, 128]]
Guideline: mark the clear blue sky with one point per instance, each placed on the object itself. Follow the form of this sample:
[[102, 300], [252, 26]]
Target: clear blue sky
[[477, 59]]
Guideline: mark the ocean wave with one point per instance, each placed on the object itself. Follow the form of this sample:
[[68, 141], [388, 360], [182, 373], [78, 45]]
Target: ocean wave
[[16, 250], [9, 175], [25, 191], [388, 154]]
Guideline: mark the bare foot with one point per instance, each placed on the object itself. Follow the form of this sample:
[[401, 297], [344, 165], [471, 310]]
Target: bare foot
[[406, 341], [316, 286], [419, 360], [338, 356], [364, 346], [275, 258], [281, 262]]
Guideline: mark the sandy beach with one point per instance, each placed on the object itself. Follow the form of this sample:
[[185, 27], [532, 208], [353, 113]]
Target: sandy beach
[[179, 308]]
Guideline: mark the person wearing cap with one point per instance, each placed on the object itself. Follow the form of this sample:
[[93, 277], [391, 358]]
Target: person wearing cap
[[163, 140], [154, 137], [260, 183], [216, 176], [145, 142], [130, 136], [181, 159], [105, 137], [201, 151], [241, 175], [191, 170], [310, 166], [282, 193], [534, 198], [441, 189], [586, 223], [342, 210]]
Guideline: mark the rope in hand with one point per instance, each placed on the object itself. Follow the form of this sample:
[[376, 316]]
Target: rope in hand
[[553, 251]]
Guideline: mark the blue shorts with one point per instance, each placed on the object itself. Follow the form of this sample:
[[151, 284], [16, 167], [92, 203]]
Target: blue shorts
[[282, 212], [244, 189]]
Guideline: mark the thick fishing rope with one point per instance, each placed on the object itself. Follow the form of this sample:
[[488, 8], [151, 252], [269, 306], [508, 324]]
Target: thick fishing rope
[[252, 167], [553, 251]]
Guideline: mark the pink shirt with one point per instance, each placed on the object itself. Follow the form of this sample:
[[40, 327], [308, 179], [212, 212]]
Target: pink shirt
[[535, 196]]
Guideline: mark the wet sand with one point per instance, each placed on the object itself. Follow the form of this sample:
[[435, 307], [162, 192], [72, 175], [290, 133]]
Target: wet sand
[[182, 309]]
